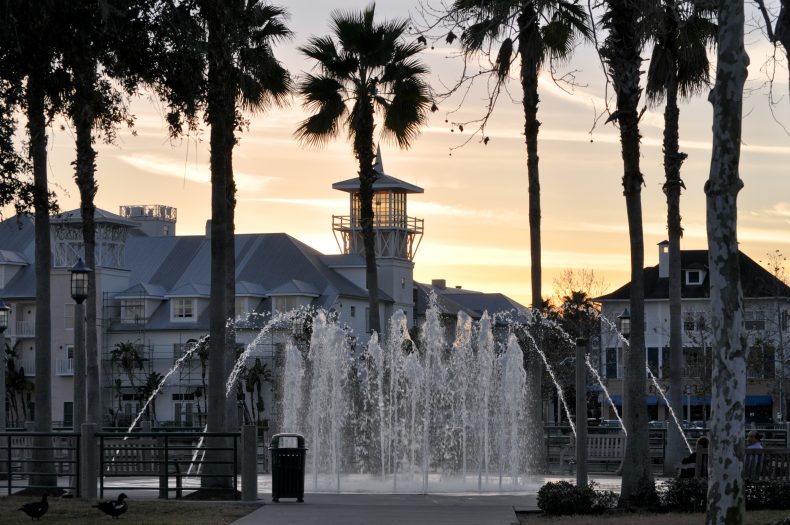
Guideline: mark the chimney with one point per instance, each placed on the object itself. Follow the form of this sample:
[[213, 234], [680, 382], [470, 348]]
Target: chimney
[[663, 259], [439, 283], [457, 286], [208, 229]]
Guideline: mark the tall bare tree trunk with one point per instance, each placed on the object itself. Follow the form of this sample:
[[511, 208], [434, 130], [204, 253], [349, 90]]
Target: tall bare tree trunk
[[725, 484], [673, 159], [36, 125], [622, 53], [529, 83], [221, 117], [83, 117]]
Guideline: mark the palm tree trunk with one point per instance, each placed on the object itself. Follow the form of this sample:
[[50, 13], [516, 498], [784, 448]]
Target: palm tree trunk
[[83, 117], [221, 117], [534, 364], [42, 454], [725, 486], [673, 159], [363, 149], [637, 483], [232, 413]]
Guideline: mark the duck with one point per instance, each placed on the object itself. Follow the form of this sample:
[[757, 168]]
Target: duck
[[36, 509], [113, 508]]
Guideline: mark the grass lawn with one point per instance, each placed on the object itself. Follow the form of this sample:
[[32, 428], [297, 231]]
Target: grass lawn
[[757, 517], [151, 512]]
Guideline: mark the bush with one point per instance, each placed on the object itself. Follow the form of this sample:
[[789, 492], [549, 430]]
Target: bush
[[691, 495], [685, 495], [767, 495], [559, 498]]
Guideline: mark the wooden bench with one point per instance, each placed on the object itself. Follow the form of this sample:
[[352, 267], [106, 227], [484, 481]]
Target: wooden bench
[[759, 464], [601, 448], [131, 456]]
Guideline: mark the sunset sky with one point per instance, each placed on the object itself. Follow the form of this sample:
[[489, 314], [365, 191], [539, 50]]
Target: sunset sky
[[475, 200]]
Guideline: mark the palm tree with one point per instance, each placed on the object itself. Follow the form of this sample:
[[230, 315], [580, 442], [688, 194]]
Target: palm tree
[[679, 65], [127, 358], [366, 70], [621, 52], [30, 48], [217, 57], [536, 31]]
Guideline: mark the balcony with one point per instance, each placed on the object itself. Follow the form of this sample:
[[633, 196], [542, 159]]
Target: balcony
[[29, 364], [24, 329], [64, 367]]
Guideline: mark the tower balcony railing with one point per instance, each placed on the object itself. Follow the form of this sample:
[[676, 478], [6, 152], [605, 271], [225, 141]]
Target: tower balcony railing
[[395, 222]]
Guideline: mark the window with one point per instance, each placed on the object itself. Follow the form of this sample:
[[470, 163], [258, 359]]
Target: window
[[68, 316], [611, 363], [652, 359], [353, 311], [284, 303], [693, 277], [241, 307], [702, 322], [183, 309], [68, 352], [754, 320], [688, 322], [68, 414], [665, 362], [132, 311]]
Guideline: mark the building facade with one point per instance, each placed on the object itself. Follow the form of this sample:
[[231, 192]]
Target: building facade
[[766, 311]]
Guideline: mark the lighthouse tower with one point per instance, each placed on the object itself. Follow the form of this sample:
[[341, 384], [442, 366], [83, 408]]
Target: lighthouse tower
[[397, 236]]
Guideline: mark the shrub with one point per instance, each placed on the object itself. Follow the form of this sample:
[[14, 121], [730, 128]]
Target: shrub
[[685, 494], [767, 495], [561, 497]]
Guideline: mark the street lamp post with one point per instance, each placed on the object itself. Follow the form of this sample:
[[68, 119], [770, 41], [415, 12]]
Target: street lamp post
[[624, 322], [4, 311], [79, 292]]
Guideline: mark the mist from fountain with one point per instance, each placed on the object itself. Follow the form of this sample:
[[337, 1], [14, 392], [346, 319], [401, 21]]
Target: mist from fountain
[[666, 403], [605, 391]]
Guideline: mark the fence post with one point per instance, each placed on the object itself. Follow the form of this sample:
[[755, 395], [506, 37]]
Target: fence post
[[249, 463], [581, 413], [89, 453], [162, 454]]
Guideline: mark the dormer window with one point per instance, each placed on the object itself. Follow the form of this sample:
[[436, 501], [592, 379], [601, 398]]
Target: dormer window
[[183, 309], [693, 277]]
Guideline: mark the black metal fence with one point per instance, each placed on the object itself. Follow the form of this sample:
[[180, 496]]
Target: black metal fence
[[169, 462], [39, 460]]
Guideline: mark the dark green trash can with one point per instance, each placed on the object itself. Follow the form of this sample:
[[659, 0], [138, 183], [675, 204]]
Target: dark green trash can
[[288, 458]]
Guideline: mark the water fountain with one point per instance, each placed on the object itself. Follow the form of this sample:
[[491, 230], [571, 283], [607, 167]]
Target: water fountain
[[406, 416], [403, 416]]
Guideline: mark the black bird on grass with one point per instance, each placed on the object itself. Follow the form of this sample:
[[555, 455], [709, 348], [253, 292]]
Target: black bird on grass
[[36, 509], [113, 508]]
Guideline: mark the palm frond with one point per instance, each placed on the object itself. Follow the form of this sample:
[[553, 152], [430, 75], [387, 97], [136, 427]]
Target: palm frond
[[407, 111], [263, 81], [322, 97]]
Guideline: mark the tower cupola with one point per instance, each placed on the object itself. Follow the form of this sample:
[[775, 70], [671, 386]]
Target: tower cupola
[[397, 235]]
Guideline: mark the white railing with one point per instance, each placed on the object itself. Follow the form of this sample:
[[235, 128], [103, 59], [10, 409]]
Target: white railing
[[24, 329], [29, 364], [64, 367]]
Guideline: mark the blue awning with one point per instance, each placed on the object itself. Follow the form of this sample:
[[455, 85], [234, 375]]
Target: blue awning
[[752, 401], [759, 401]]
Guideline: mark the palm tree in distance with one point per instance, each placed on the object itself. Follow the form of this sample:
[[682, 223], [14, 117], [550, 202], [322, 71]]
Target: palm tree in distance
[[621, 53], [679, 66], [535, 31], [366, 70]]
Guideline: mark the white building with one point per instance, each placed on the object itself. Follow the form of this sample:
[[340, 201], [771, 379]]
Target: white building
[[766, 311], [153, 290]]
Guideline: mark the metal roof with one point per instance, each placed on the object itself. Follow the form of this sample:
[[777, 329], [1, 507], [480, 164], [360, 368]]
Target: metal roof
[[383, 181]]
